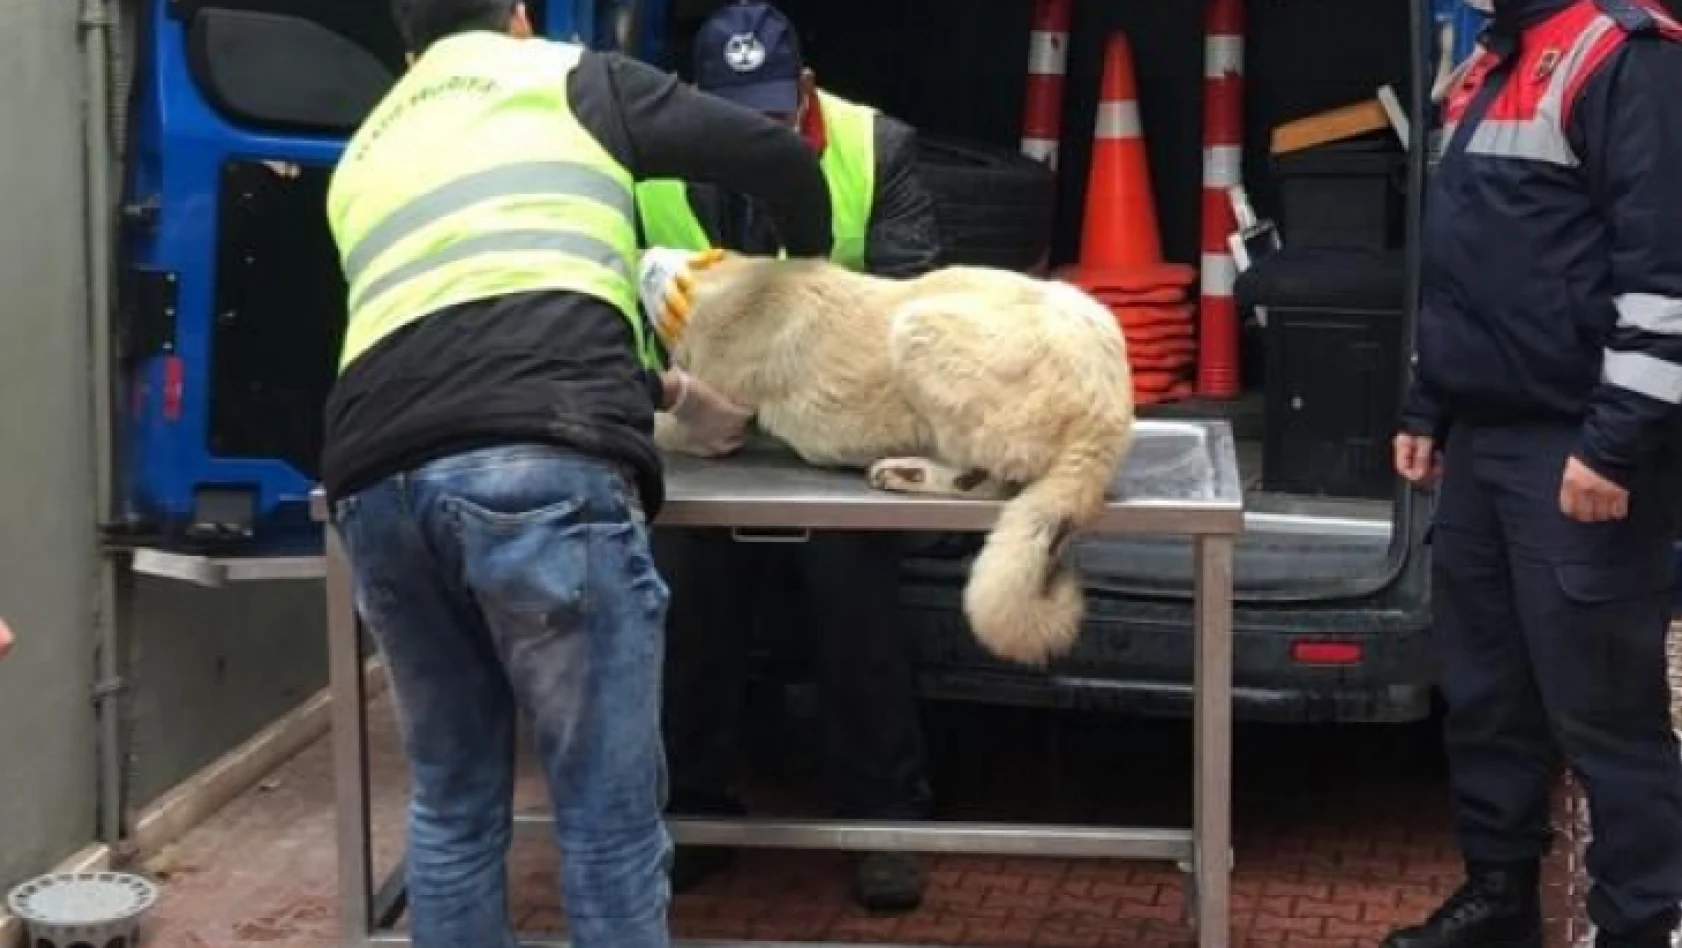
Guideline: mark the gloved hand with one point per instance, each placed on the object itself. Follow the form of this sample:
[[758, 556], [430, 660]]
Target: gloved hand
[[713, 425], [665, 280]]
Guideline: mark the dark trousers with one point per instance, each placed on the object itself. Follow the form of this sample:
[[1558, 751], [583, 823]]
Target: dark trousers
[[842, 589], [1551, 639]]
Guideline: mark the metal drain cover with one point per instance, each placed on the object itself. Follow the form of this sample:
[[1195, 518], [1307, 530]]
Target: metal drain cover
[[82, 898]]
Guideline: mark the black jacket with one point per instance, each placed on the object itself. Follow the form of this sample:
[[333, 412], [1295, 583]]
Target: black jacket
[[560, 368], [902, 241]]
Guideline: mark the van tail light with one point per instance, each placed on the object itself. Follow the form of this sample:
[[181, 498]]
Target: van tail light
[[1322, 652], [174, 381]]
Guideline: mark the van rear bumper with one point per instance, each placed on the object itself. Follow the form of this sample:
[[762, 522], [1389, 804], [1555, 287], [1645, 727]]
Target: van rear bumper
[[1135, 656]]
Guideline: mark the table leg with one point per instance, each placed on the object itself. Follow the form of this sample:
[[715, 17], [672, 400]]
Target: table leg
[[392, 899], [1212, 815], [350, 748]]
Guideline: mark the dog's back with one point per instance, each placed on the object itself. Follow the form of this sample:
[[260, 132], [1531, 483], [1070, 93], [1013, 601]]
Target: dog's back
[[1012, 365], [805, 343], [849, 368]]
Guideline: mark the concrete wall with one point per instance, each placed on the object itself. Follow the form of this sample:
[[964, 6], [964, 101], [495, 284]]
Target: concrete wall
[[214, 666], [47, 749]]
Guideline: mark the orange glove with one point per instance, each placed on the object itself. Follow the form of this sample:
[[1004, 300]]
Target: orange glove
[[665, 280]]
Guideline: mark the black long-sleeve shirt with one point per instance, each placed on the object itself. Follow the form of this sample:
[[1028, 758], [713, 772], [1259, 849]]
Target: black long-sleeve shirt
[[902, 240], [561, 368]]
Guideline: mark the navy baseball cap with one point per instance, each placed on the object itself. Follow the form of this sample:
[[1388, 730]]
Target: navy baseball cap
[[749, 54]]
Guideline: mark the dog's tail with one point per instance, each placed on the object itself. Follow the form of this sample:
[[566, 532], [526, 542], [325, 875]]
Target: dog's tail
[[1024, 599]]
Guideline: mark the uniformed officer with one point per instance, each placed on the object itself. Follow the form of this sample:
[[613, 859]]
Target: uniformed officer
[[1550, 359], [838, 588], [883, 218], [489, 444]]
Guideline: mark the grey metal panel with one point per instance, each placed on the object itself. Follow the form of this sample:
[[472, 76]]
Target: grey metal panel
[[214, 667], [47, 550]]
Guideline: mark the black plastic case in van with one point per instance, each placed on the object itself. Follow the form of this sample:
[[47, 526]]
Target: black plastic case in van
[[1333, 339], [1346, 195]]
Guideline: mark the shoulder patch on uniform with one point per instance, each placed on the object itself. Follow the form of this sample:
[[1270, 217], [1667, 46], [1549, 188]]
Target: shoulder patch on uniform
[[1632, 16]]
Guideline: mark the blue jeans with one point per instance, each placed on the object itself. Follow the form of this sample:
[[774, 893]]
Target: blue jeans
[[520, 577]]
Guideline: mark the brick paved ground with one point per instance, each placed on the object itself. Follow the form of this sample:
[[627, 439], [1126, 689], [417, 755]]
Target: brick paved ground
[[1340, 834]]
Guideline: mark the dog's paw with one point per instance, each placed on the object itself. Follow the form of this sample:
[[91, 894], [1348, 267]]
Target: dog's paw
[[904, 475], [925, 476]]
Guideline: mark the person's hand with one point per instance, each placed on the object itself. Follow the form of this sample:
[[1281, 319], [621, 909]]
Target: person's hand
[[1417, 459], [665, 282], [1586, 497], [713, 425], [6, 638]]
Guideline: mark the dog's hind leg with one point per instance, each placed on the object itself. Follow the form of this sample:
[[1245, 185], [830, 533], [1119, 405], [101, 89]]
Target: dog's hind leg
[[925, 476]]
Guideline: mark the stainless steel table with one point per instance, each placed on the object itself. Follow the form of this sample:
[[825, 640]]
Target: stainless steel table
[[1181, 478]]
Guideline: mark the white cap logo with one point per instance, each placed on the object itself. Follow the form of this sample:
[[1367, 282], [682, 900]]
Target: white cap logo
[[744, 52]]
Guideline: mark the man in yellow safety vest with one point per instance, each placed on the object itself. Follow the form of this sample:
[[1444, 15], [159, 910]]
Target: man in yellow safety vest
[[489, 451], [883, 223]]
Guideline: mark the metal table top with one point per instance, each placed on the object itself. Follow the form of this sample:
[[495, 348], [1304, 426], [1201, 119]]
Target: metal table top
[[1180, 477]]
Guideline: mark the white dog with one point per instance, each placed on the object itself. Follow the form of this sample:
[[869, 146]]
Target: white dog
[[966, 381]]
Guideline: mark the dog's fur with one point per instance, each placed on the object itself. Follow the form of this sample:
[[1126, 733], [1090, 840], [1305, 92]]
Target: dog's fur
[[966, 381]]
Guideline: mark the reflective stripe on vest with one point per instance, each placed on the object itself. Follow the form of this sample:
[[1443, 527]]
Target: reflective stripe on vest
[[849, 168], [473, 180]]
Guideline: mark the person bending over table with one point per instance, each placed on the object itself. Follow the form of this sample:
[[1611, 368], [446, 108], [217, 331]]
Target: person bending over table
[[845, 585], [489, 448]]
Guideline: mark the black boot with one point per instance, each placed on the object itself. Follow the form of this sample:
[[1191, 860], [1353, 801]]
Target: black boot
[[1498, 906], [1656, 934], [693, 865], [1653, 940], [888, 882]]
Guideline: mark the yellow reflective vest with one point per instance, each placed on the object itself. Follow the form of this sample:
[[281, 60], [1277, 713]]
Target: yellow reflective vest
[[849, 165], [472, 179]]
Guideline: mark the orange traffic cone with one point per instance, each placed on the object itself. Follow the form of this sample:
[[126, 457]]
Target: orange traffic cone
[[1119, 238], [1134, 317], [1121, 261], [1162, 295]]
